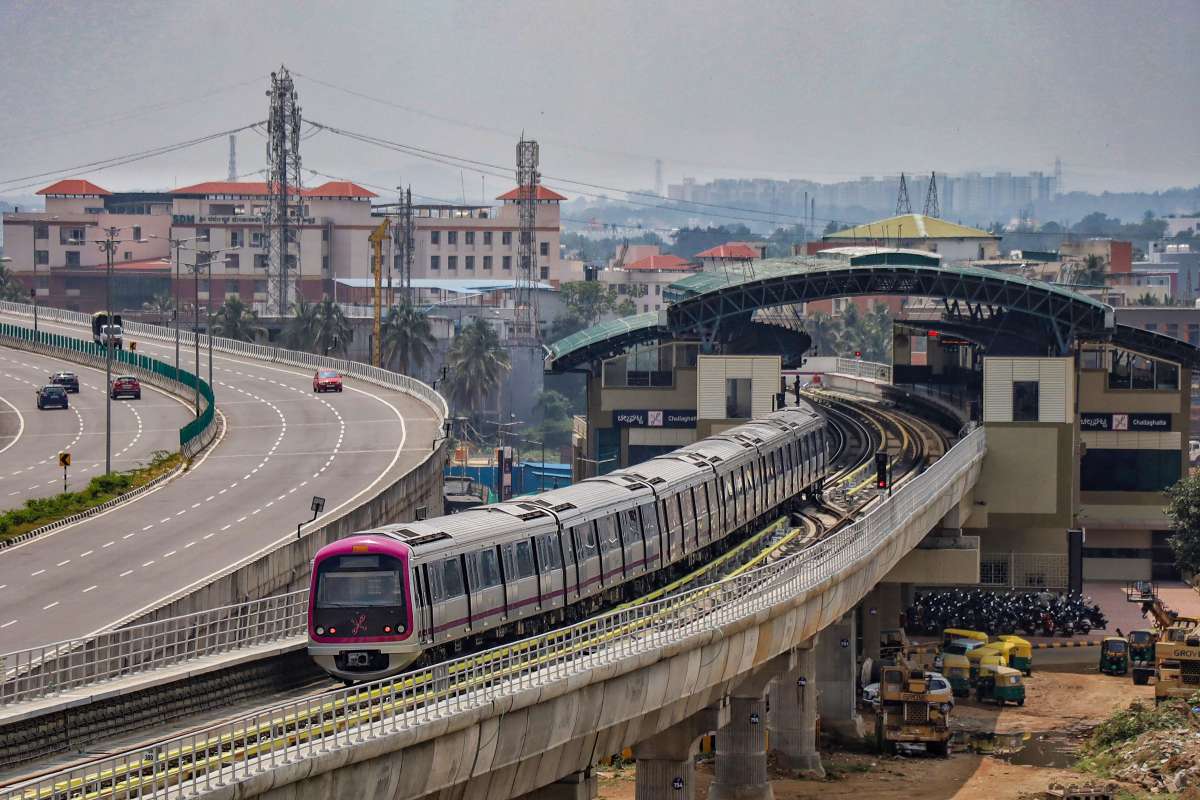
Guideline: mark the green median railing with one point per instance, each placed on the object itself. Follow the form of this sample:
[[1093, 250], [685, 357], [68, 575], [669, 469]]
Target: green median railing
[[193, 437]]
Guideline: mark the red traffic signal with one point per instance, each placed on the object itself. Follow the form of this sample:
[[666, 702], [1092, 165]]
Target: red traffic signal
[[881, 470], [858, 353]]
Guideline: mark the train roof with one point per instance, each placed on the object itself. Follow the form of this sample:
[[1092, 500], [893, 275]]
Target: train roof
[[594, 497]]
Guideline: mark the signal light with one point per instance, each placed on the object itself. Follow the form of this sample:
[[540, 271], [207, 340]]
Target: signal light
[[881, 470], [858, 353], [333, 630], [387, 628]]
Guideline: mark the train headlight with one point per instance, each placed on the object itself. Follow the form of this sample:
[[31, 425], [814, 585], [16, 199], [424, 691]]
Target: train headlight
[[333, 630], [387, 628], [320, 631]]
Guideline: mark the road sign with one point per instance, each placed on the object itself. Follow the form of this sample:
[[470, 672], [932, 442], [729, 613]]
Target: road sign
[[64, 459]]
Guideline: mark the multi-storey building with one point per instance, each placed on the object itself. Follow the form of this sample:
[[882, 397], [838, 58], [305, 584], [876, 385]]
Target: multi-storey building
[[55, 252], [481, 241], [329, 229]]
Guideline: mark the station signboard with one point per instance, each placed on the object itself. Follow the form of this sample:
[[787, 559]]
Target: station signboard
[[1093, 421], [664, 418]]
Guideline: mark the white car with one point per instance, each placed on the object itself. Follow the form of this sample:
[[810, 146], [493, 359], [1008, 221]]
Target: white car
[[938, 686]]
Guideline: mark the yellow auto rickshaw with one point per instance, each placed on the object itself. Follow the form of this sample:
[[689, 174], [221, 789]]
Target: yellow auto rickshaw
[[950, 634], [1006, 649], [980, 656], [957, 670], [999, 684], [1022, 655]]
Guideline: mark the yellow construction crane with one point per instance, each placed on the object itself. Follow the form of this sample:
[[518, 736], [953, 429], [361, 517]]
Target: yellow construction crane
[[377, 238]]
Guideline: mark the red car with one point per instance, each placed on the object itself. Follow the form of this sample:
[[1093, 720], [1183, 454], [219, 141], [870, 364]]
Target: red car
[[126, 385], [326, 380]]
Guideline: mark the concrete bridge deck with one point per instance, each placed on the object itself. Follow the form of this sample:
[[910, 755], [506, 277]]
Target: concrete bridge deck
[[533, 719]]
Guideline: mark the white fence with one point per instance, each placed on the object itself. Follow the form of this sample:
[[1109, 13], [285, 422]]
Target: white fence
[[1024, 570], [52, 669], [233, 751]]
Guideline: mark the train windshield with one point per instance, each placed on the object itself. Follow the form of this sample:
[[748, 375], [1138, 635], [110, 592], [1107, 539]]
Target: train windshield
[[358, 581]]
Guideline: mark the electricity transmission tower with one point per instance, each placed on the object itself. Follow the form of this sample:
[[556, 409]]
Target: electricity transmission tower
[[404, 244], [931, 198], [902, 204], [283, 182], [526, 316]]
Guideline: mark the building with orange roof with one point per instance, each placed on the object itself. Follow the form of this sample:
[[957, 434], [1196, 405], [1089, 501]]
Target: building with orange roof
[[644, 279]]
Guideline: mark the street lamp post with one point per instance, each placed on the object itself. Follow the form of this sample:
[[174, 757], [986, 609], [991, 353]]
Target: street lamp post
[[177, 245], [108, 246]]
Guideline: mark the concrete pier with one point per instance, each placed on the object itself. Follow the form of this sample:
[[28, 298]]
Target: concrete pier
[[741, 763], [837, 675], [793, 717], [666, 767]]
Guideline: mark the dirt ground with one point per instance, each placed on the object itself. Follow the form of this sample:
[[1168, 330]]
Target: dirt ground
[[1059, 709]]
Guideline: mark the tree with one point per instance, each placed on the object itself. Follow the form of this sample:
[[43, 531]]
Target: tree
[[162, 305], [234, 320], [824, 331], [556, 425], [1183, 508], [10, 288], [407, 338], [477, 363], [333, 332], [301, 329], [589, 301], [1092, 273], [877, 334]]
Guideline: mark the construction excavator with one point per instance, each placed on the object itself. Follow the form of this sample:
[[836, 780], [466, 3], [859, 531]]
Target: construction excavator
[[1169, 652]]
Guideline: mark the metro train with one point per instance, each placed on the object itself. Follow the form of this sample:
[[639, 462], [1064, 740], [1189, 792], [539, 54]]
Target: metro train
[[382, 598]]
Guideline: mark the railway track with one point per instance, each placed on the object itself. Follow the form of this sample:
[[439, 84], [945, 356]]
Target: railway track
[[861, 429]]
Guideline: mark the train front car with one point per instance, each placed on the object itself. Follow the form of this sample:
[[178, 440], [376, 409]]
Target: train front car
[[360, 612]]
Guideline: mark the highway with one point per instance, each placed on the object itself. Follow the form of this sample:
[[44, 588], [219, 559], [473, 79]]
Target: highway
[[281, 446], [31, 439]]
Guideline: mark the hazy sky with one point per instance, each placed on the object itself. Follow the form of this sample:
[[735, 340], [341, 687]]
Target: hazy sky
[[827, 91]]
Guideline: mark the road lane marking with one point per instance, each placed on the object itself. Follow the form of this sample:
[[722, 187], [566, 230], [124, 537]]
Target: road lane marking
[[10, 622], [52, 605], [126, 572], [88, 589], [35, 574]]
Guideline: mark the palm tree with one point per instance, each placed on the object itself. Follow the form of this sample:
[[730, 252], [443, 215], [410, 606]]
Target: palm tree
[[234, 320], [333, 331], [162, 305], [878, 334], [301, 330], [824, 331], [407, 338], [477, 362]]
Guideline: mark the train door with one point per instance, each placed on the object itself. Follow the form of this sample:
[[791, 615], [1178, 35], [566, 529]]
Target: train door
[[587, 557], [525, 576], [805, 467], [687, 517], [648, 514], [611, 558], [550, 568], [571, 567], [634, 541], [423, 616], [452, 604], [486, 589], [703, 513]]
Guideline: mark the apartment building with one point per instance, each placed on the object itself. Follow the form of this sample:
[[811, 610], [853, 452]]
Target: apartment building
[[480, 242]]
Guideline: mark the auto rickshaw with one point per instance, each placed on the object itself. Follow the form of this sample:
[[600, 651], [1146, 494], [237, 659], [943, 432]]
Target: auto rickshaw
[[999, 684], [1022, 655], [1114, 656], [1006, 649], [1141, 654], [957, 670], [980, 657], [950, 634]]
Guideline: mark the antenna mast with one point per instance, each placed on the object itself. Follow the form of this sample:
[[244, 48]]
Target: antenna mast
[[233, 157], [526, 317], [283, 180]]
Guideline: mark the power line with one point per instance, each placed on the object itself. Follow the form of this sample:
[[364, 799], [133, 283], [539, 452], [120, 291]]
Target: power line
[[496, 170], [9, 185]]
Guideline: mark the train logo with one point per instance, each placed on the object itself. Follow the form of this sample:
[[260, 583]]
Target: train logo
[[360, 624]]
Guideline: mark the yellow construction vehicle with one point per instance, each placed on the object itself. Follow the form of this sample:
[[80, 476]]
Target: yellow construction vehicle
[[908, 712], [1177, 665]]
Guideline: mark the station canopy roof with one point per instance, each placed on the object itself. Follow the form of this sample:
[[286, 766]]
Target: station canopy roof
[[910, 226]]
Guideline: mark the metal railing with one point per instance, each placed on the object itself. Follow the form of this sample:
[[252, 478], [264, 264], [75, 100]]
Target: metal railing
[[193, 437], [279, 355], [1024, 570], [233, 751], [868, 370], [42, 672]]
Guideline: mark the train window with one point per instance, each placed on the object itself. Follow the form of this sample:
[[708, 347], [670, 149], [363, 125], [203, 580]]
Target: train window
[[489, 569], [524, 560], [602, 537], [452, 579], [632, 523], [548, 553], [608, 532], [360, 581], [586, 538]]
